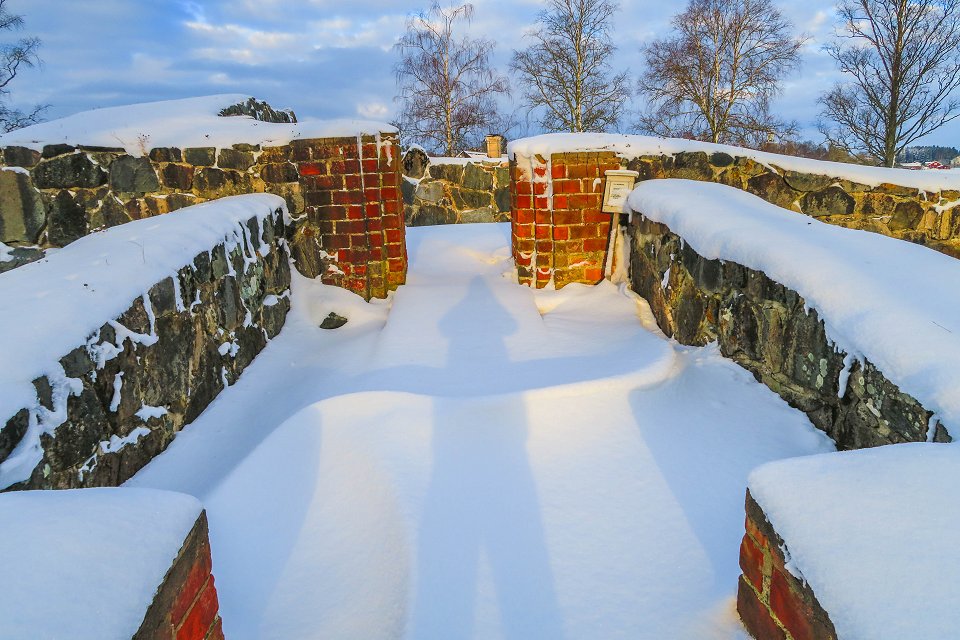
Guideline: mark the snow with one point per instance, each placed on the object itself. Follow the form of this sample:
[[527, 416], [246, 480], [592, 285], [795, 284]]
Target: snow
[[473, 458], [85, 564], [633, 146], [874, 533], [63, 299], [473, 159], [190, 122], [895, 303]]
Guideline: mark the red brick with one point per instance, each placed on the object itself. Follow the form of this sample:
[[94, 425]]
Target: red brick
[[524, 216], [335, 212], [372, 210], [790, 609], [543, 249], [578, 170], [584, 201], [328, 182], [395, 264], [539, 188], [352, 182], [541, 202], [389, 193], [394, 235], [388, 179], [584, 231], [558, 171], [318, 198], [371, 194], [751, 562], [544, 216], [216, 632], [595, 244], [350, 226], [755, 616], [371, 165], [567, 217], [596, 216], [375, 224], [376, 239], [394, 251], [755, 533], [335, 242], [524, 188], [561, 233], [347, 197], [569, 186], [197, 577], [312, 169], [202, 616], [523, 230], [594, 274], [344, 167], [392, 207]]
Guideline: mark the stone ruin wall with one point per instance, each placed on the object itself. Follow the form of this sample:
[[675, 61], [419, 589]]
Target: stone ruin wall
[[343, 193], [452, 191], [560, 234], [768, 329], [209, 326]]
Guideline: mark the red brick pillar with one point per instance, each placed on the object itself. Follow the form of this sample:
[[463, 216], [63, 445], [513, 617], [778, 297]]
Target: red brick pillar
[[185, 606], [771, 601], [560, 235], [352, 200]]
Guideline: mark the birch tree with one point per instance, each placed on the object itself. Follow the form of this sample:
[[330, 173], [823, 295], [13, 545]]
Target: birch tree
[[14, 56], [902, 61], [565, 72], [714, 76], [447, 88]]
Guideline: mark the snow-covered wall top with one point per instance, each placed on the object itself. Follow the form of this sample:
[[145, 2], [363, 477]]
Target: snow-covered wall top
[[59, 302], [86, 564], [191, 122], [631, 146], [893, 303]]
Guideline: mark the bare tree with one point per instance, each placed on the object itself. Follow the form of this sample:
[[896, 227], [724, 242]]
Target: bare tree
[[566, 73], [903, 60], [13, 56], [446, 86], [714, 76]]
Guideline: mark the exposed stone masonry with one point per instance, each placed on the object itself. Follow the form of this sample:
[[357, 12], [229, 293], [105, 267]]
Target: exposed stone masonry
[[52, 198], [771, 601], [209, 325], [766, 328], [440, 192]]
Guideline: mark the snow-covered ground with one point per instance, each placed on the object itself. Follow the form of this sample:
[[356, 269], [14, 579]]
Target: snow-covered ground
[[474, 459]]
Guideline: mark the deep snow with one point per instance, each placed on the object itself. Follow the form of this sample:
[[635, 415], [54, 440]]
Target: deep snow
[[476, 459], [85, 564]]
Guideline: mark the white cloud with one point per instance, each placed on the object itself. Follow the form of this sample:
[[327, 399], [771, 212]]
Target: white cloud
[[373, 110]]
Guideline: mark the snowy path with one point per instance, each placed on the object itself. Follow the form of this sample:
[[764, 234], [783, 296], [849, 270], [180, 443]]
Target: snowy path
[[478, 460]]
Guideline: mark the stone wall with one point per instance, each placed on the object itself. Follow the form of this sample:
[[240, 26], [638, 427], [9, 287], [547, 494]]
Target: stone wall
[[454, 190], [547, 247], [209, 321], [185, 606], [767, 329], [773, 604], [51, 198]]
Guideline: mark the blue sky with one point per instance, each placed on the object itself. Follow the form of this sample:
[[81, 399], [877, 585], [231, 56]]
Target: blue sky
[[321, 58]]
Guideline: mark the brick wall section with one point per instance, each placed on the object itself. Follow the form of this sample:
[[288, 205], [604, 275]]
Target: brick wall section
[[559, 232], [185, 606], [355, 211], [772, 602]]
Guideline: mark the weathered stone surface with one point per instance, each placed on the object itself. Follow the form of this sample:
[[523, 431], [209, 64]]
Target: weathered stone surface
[[333, 321], [129, 174], [22, 214], [20, 157], [766, 328], [234, 159], [66, 220], [279, 172], [178, 176], [259, 110], [200, 156], [832, 201], [476, 179], [470, 199], [53, 150], [430, 191], [906, 215], [415, 163], [501, 198], [166, 154], [74, 170], [448, 172], [772, 188], [692, 166]]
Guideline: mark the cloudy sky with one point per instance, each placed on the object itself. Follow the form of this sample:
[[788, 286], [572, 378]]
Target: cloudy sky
[[322, 58]]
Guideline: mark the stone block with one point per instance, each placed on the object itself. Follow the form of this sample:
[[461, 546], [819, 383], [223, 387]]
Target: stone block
[[234, 159], [20, 157], [66, 220], [22, 212], [129, 175], [200, 156], [75, 170]]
